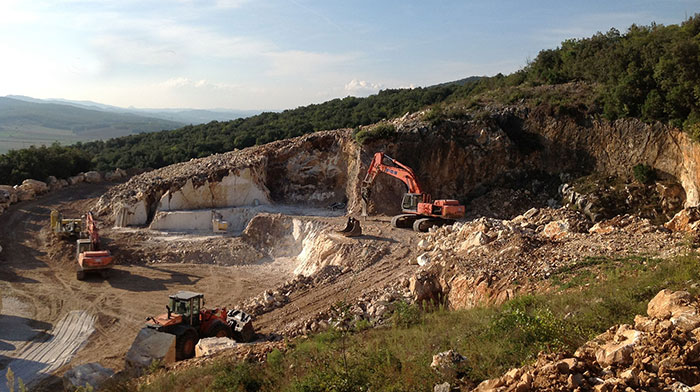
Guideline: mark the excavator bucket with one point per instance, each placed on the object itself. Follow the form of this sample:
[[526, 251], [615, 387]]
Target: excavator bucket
[[356, 229], [348, 226], [352, 228]]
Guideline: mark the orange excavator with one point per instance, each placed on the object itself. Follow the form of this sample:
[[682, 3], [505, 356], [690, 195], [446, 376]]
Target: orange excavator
[[88, 253], [419, 210]]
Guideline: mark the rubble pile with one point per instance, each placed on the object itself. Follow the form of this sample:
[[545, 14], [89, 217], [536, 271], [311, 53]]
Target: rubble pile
[[374, 306], [485, 260], [660, 352]]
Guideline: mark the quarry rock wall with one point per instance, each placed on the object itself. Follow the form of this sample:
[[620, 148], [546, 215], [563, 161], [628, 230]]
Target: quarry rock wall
[[452, 159]]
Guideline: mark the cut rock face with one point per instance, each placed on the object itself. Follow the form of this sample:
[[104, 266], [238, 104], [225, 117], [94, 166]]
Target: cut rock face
[[242, 189]]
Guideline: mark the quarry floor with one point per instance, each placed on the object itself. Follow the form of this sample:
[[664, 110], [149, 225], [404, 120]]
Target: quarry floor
[[39, 287]]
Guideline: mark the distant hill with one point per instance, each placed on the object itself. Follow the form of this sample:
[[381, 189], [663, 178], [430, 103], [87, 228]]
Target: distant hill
[[181, 115], [24, 123]]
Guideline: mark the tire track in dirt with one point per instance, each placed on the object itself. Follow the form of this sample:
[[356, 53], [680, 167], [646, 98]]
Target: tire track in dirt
[[36, 360]]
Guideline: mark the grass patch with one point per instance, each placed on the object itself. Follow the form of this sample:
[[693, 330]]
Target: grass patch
[[494, 339]]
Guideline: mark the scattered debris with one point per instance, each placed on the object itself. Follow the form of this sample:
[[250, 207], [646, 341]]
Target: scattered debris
[[659, 352]]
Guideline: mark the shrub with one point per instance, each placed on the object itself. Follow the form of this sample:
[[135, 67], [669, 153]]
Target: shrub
[[644, 174], [405, 315], [380, 131]]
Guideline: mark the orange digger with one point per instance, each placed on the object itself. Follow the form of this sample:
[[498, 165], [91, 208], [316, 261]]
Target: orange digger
[[420, 211], [88, 253]]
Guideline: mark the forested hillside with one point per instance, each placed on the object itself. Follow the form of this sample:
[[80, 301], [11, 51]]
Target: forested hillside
[[649, 72]]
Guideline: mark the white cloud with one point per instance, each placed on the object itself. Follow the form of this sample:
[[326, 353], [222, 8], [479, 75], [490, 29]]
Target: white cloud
[[183, 82], [362, 87]]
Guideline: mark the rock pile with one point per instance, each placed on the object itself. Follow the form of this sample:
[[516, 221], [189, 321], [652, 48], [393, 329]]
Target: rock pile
[[485, 260], [660, 352]]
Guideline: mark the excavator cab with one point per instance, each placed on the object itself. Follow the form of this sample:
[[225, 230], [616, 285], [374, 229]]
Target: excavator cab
[[410, 202]]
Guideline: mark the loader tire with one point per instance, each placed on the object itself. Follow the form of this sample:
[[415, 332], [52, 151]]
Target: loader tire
[[80, 275], [220, 330], [185, 343]]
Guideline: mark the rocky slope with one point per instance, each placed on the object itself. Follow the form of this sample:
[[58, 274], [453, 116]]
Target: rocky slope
[[660, 352]]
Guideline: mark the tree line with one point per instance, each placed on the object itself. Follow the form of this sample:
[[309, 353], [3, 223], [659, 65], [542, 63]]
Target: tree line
[[650, 72]]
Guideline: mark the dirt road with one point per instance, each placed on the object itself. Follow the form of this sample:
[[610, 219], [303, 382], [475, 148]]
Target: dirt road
[[39, 288], [41, 295]]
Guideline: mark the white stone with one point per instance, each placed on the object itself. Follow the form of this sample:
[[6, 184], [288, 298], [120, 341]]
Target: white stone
[[423, 259], [76, 179], [93, 177], [36, 185], [209, 346]]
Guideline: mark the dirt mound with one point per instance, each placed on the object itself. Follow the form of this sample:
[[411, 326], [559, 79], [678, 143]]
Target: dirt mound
[[659, 352]]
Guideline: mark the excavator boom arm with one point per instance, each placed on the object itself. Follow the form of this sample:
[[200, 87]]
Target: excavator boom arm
[[382, 163]]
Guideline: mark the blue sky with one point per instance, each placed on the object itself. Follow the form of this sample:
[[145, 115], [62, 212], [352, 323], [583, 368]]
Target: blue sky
[[258, 54]]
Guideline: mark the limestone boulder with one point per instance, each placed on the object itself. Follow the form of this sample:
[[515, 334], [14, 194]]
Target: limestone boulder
[[93, 177], [5, 197], [449, 363], [476, 238], [90, 374], [425, 287], [77, 179], [149, 346], [619, 351], [676, 306], [37, 186], [604, 227], [54, 183], [684, 220], [444, 387], [556, 229], [25, 192], [116, 175], [423, 259], [209, 346]]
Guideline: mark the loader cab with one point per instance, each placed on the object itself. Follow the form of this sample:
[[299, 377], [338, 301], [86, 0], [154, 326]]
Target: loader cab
[[410, 202], [187, 304]]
